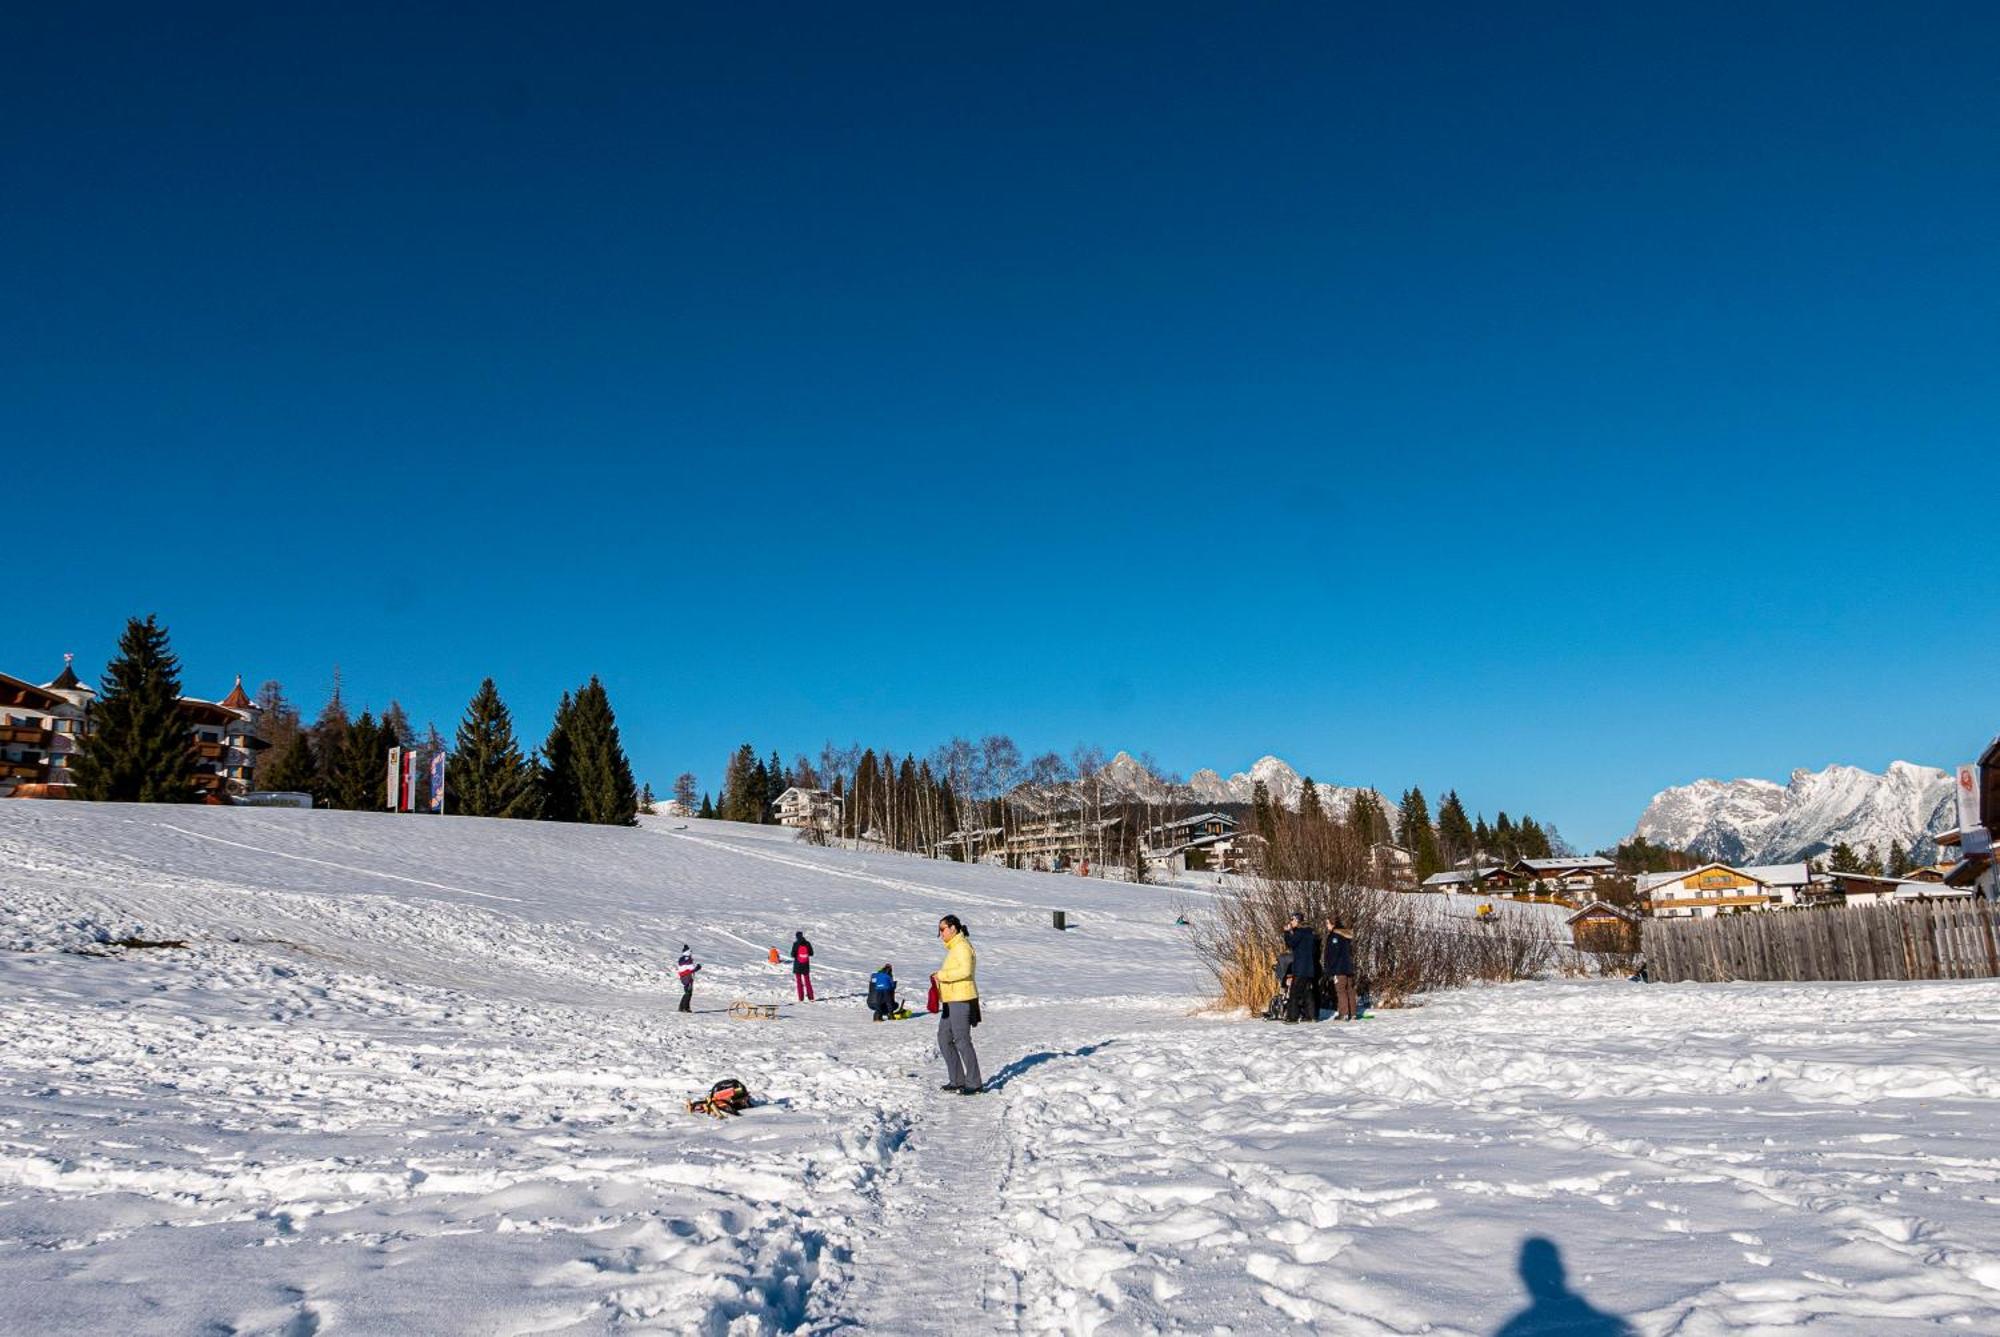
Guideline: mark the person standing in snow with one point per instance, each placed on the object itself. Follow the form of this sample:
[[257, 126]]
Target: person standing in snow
[[686, 968], [1302, 945], [802, 965], [1337, 969], [882, 991], [958, 999]]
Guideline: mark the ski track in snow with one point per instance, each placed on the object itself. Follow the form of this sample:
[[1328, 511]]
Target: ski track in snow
[[340, 1109]]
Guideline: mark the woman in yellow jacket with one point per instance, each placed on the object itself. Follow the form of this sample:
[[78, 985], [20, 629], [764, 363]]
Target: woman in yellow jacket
[[958, 1004]]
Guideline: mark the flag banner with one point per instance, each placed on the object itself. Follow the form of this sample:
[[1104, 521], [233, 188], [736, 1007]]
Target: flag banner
[[395, 786], [437, 783], [409, 803], [1968, 798]]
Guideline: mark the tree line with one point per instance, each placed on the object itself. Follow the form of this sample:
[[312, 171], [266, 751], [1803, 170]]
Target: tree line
[[139, 748]]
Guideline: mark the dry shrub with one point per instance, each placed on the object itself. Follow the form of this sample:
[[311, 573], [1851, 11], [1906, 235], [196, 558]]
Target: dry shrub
[[1403, 944]]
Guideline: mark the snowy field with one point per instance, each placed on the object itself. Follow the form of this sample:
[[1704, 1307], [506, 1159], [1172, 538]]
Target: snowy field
[[414, 1075]]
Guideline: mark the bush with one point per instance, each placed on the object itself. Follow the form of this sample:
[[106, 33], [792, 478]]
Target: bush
[[1403, 944]]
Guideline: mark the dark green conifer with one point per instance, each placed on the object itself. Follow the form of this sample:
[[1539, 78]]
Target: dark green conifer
[[139, 749], [707, 807], [557, 774], [1309, 809], [487, 776], [595, 778], [361, 774], [295, 771]]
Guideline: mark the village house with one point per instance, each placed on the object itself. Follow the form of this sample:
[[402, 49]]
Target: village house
[[42, 728], [1878, 889], [808, 809], [1394, 866], [1567, 878], [1974, 870], [1490, 877], [1600, 926], [1054, 843], [1205, 842], [1705, 892]]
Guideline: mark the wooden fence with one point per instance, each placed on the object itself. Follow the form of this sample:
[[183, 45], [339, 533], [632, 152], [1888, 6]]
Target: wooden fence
[[1927, 940]]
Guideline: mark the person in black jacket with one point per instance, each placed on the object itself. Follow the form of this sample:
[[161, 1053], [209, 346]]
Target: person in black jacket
[[1303, 945], [1337, 969]]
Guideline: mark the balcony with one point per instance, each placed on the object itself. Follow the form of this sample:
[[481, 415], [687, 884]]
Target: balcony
[[26, 735], [208, 751], [23, 770]]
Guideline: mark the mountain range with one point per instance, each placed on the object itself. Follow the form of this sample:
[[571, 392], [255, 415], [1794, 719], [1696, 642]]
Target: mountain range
[[1125, 777], [1756, 821]]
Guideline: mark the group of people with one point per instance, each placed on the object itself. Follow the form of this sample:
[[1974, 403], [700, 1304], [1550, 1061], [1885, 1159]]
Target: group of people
[[954, 987], [1316, 971]]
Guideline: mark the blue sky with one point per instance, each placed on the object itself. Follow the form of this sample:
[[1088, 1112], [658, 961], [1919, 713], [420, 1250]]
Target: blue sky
[[1555, 405]]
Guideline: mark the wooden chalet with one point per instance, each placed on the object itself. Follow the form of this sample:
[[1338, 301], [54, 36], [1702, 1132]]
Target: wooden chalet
[[1600, 926]]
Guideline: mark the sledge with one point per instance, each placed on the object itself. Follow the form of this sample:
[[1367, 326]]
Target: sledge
[[744, 1010]]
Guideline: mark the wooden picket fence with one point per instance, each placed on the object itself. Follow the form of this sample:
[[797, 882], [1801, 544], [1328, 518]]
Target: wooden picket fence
[[1924, 940]]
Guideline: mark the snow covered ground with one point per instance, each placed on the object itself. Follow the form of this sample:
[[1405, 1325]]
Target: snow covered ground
[[416, 1075]]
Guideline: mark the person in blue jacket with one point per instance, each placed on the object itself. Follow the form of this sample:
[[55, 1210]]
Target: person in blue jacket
[[1302, 945], [882, 991]]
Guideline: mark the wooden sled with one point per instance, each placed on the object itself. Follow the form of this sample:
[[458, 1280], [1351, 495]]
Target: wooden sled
[[743, 1010]]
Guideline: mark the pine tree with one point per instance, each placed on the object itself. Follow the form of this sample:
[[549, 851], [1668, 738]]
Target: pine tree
[[139, 749], [1455, 836], [561, 802], [396, 730], [586, 770], [1899, 863], [1414, 833], [329, 743], [646, 800], [1309, 809], [776, 779], [360, 776], [487, 776], [295, 771], [684, 792], [278, 723], [1260, 806], [1533, 842], [1482, 837], [735, 786], [1842, 859], [1367, 821], [707, 808], [756, 794]]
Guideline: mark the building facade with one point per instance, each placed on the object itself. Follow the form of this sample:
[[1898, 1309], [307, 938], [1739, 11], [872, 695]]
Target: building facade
[[42, 728]]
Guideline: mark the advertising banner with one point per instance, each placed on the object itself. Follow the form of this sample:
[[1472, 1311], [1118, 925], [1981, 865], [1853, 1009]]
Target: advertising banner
[[437, 783], [409, 803], [395, 778]]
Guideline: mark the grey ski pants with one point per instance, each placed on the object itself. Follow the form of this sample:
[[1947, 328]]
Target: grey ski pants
[[961, 1065]]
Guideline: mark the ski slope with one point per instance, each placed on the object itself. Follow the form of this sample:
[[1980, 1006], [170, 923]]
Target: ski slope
[[421, 1075]]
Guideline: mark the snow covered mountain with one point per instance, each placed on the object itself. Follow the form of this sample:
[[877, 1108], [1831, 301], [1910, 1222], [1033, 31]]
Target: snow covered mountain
[[1759, 821], [1125, 777]]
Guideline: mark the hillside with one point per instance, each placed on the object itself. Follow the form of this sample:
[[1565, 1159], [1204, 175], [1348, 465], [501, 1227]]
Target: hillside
[[424, 1075]]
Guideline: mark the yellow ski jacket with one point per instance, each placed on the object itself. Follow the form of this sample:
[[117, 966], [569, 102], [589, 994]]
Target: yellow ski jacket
[[954, 977]]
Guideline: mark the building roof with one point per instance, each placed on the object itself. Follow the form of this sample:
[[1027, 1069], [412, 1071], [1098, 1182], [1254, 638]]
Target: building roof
[[1966, 871], [1650, 881], [67, 681], [1196, 820], [1565, 865], [1779, 874], [16, 692], [237, 700], [1457, 876], [1603, 907]]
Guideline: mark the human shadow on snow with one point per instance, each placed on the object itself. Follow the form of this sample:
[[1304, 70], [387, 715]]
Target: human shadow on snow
[[1027, 1061], [1554, 1310]]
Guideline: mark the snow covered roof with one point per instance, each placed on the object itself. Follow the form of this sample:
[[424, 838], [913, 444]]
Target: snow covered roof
[[1780, 874], [1603, 907], [1458, 876], [1565, 865]]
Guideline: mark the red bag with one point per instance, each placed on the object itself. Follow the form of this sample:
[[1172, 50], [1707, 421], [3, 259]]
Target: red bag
[[932, 1004]]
